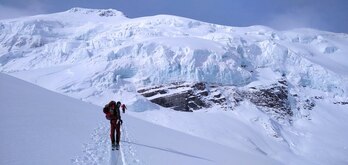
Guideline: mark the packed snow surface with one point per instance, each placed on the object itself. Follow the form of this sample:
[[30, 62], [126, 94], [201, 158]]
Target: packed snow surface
[[38, 126], [98, 55], [42, 127]]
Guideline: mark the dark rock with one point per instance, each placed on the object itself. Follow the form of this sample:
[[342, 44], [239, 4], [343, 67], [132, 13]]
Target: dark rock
[[162, 91], [319, 97], [284, 82], [142, 90], [218, 101], [199, 86], [191, 99], [275, 98], [272, 99], [150, 94], [175, 101], [147, 89], [217, 96], [205, 93], [309, 104], [341, 102]]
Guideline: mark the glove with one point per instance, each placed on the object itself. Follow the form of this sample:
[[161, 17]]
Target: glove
[[121, 121]]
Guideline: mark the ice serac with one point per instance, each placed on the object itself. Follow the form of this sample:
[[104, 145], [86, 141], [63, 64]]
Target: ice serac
[[94, 53]]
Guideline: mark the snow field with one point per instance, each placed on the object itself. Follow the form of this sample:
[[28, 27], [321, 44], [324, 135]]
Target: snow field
[[83, 138]]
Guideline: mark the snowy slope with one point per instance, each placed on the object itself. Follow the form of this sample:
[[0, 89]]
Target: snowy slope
[[320, 140], [41, 127], [158, 145], [38, 126]]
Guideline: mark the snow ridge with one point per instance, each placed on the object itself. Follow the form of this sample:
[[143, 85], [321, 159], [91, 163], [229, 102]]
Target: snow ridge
[[100, 12]]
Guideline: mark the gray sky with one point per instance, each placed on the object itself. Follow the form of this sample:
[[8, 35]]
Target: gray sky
[[330, 15]]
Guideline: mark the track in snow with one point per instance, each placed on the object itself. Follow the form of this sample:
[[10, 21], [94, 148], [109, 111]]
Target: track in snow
[[99, 149]]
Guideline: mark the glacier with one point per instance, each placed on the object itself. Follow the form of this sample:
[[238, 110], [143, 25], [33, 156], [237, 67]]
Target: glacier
[[171, 49]]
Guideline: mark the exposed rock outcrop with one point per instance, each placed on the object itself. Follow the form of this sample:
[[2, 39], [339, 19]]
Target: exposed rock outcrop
[[272, 99]]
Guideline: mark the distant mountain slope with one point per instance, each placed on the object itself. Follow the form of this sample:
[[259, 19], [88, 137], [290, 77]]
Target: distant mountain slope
[[104, 52]]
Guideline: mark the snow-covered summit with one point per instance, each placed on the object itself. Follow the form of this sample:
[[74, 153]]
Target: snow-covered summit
[[100, 12], [164, 49]]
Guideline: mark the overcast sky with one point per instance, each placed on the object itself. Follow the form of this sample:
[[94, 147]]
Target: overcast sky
[[330, 15]]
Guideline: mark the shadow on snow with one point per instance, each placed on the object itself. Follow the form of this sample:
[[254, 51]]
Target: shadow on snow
[[168, 150]]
